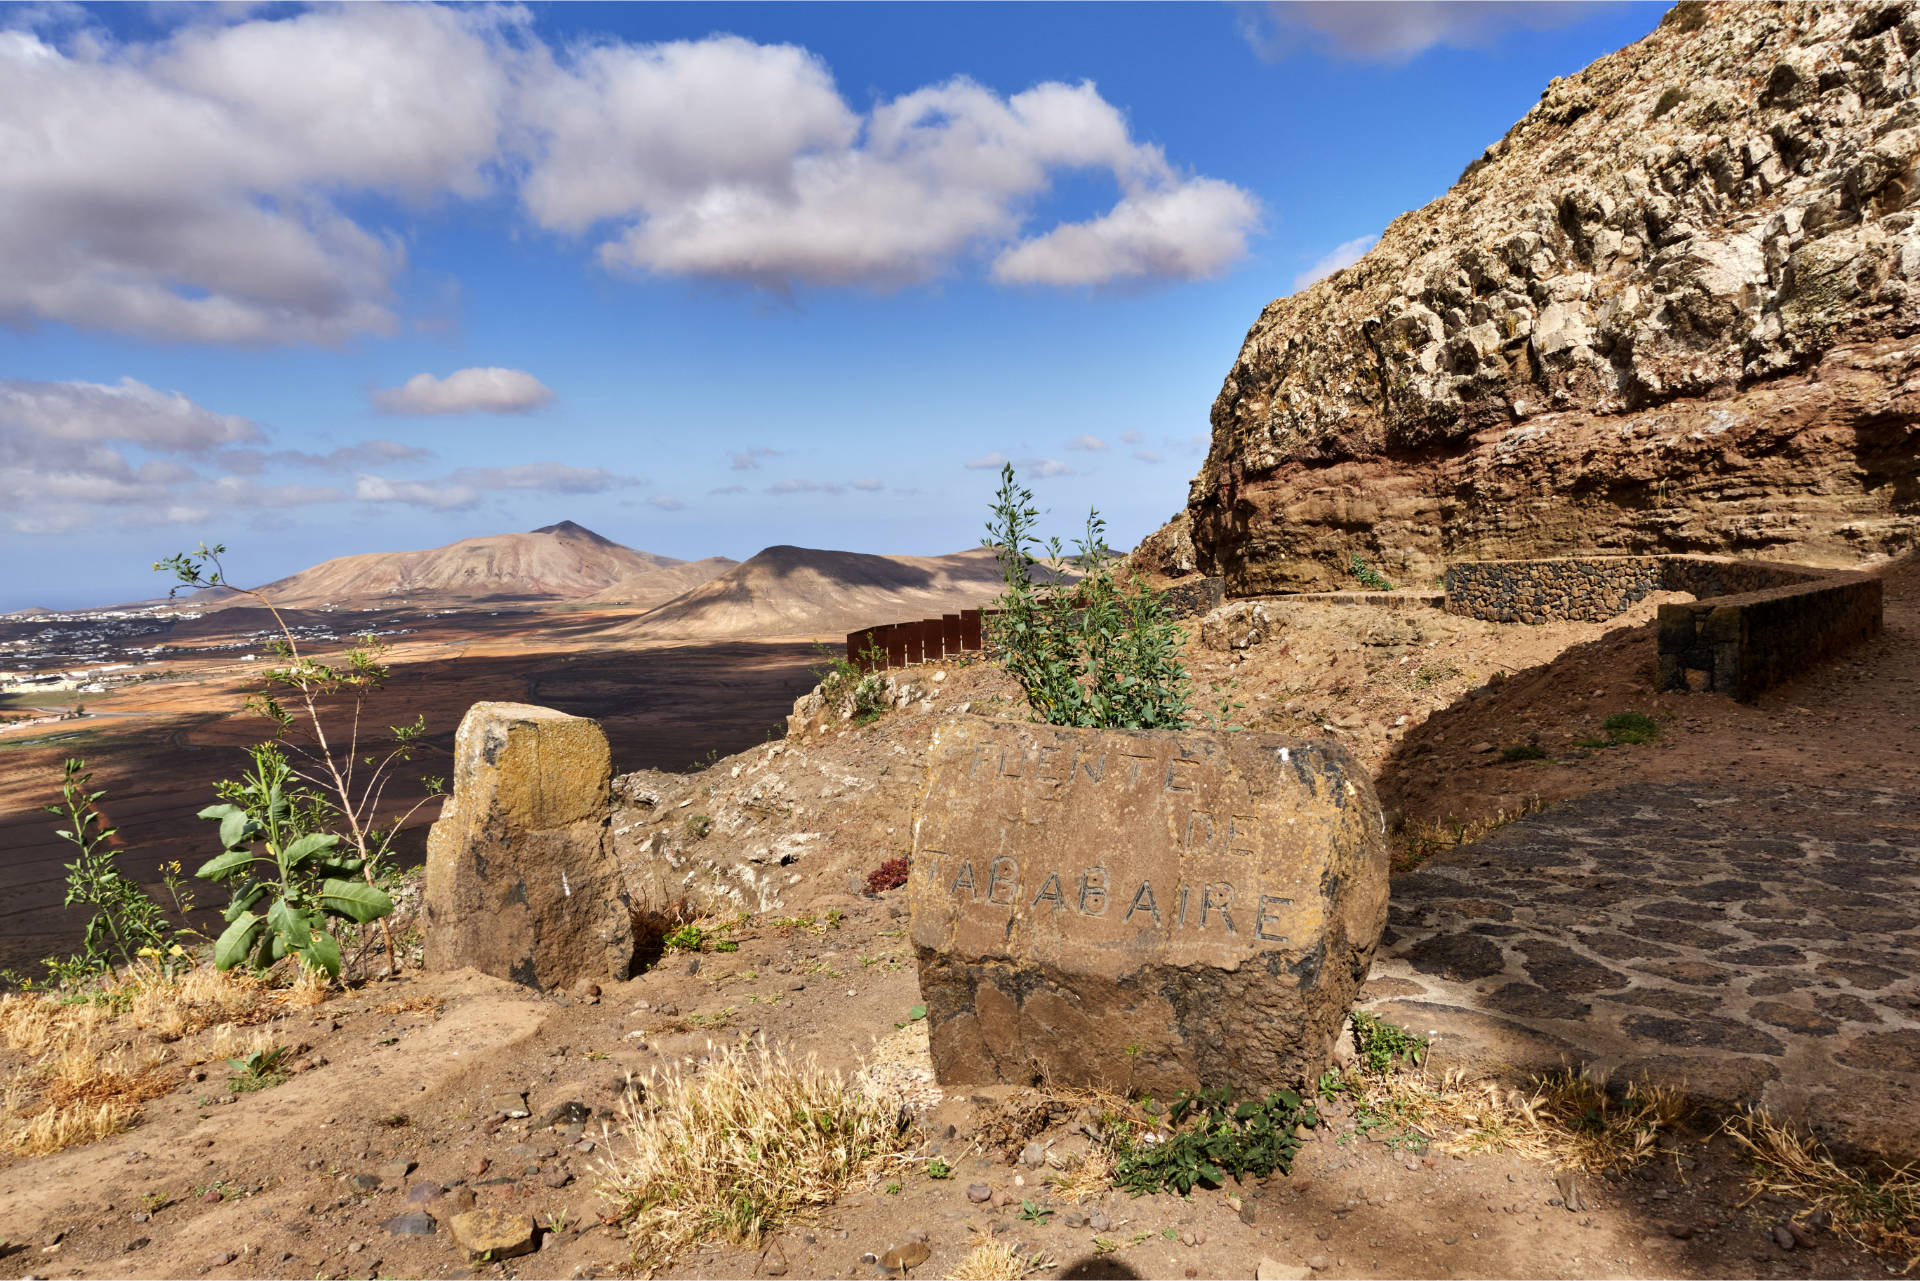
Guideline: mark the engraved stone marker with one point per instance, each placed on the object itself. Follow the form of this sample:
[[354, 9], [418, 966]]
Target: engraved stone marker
[[1147, 910]]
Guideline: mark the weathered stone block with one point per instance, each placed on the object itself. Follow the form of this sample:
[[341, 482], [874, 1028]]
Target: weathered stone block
[[521, 878], [1142, 910]]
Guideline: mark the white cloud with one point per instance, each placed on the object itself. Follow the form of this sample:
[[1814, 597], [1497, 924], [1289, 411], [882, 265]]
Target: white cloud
[[1183, 231], [728, 159], [728, 489], [1132, 438], [666, 503], [128, 411], [1086, 442], [185, 189], [1397, 31], [867, 485], [1147, 456], [995, 460], [221, 183], [1338, 258], [487, 389], [1047, 467], [440, 497]]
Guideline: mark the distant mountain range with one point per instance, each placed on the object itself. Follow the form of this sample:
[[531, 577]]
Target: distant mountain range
[[781, 591], [563, 562], [804, 591]]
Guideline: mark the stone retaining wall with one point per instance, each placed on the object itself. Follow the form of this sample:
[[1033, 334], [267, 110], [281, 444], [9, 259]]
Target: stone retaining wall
[[1755, 623], [1740, 645]]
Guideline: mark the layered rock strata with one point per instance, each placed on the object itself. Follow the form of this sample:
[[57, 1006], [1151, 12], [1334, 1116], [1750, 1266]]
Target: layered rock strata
[[1672, 310]]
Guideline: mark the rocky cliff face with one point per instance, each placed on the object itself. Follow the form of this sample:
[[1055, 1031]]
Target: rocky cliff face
[[1673, 309]]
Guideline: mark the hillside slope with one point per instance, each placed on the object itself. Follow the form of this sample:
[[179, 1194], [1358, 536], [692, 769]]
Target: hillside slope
[[1672, 309], [803, 591], [556, 562]]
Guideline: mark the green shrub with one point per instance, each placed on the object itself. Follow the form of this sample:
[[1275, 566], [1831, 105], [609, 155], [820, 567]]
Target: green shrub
[[1523, 752], [126, 922], [1101, 654], [1369, 577], [842, 682], [1632, 727]]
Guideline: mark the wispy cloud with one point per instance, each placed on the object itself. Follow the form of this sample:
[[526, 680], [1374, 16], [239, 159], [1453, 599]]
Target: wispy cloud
[[749, 459], [1396, 31], [994, 460], [1147, 456], [866, 485], [1086, 442], [666, 503], [1338, 258]]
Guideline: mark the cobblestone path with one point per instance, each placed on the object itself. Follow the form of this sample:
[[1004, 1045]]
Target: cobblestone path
[[1747, 944]]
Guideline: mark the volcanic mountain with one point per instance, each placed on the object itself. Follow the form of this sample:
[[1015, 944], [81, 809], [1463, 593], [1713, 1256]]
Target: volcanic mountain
[[802, 591], [563, 562]]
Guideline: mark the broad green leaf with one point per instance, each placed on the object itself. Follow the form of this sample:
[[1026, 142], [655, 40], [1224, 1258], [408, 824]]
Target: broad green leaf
[[236, 941], [224, 865], [218, 811], [323, 953], [233, 827], [307, 846], [355, 900], [289, 925]]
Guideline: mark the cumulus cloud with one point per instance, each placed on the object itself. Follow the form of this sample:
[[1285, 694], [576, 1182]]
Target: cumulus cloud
[[1047, 467], [1183, 231], [438, 496], [128, 411], [1087, 442], [188, 188], [1397, 31], [995, 460], [487, 389], [1338, 258], [222, 182], [1132, 437], [367, 453], [666, 503]]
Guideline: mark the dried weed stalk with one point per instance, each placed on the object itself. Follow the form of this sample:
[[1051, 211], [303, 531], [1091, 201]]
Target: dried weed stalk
[[1877, 1211], [751, 1140]]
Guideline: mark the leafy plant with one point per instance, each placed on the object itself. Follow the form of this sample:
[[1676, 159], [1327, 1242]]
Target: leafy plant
[[1631, 727], [939, 1169], [1221, 1139], [1034, 1212], [126, 922], [1382, 1045], [890, 875], [698, 825], [1369, 577], [278, 856], [1104, 653], [694, 937], [258, 1070], [339, 785]]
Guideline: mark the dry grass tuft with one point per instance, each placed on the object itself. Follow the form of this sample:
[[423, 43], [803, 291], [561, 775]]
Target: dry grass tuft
[[54, 1128], [731, 1150], [170, 1008], [1878, 1212], [993, 1261], [1568, 1118], [1085, 1177], [40, 1025], [1418, 844]]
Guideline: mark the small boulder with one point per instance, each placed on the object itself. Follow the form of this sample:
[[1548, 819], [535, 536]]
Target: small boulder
[[493, 1234], [412, 1224]]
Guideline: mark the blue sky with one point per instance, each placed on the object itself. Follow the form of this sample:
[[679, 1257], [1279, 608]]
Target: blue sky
[[318, 281]]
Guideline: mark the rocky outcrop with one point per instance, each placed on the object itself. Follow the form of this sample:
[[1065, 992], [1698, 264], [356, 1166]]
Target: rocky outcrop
[[1672, 310]]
